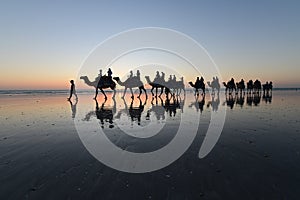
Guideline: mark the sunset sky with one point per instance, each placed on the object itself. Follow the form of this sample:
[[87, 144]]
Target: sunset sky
[[43, 44]]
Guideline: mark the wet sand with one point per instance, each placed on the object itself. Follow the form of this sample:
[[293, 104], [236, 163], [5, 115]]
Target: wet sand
[[42, 156]]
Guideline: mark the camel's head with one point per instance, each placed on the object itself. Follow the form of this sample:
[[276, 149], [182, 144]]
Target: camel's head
[[83, 77], [116, 78]]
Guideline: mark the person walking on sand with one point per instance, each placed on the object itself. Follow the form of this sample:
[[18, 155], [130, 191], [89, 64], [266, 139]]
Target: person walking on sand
[[72, 90]]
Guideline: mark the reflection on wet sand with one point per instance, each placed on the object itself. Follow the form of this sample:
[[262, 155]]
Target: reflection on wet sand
[[103, 113], [198, 103], [134, 112], [252, 99], [138, 110]]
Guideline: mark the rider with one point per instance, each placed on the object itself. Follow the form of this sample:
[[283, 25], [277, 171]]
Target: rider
[[109, 72], [138, 74], [99, 76], [130, 74]]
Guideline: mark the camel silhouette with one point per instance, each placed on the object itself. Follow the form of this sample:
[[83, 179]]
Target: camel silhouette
[[230, 86], [177, 86], [241, 86], [199, 84], [214, 84], [257, 86], [268, 87], [155, 85], [131, 82], [250, 86], [103, 83]]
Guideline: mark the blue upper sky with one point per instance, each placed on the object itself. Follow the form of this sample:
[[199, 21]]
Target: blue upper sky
[[245, 38]]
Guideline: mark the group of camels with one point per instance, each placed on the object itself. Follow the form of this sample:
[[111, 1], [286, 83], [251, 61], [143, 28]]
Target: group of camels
[[172, 86], [252, 87]]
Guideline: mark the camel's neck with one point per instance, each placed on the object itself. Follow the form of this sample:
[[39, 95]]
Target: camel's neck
[[148, 80]]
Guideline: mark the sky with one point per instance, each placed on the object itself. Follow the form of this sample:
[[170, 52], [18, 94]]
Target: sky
[[43, 44]]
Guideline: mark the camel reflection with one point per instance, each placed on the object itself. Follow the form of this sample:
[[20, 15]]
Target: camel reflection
[[104, 114], [230, 100], [267, 97], [134, 112], [253, 99], [198, 103], [214, 103], [240, 99], [172, 104], [157, 108]]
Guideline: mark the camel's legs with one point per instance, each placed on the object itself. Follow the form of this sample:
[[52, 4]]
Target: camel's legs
[[143, 88], [161, 91], [114, 93], [124, 92], [103, 93], [152, 91], [96, 93], [140, 88], [131, 93]]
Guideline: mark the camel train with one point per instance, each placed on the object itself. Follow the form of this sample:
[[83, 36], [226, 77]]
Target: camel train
[[172, 86]]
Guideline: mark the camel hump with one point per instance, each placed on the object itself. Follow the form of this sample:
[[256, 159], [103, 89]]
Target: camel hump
[[105, 80]]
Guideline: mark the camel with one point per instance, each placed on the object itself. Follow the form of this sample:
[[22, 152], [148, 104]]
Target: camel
[[230, 86], [241, 86], [267, 87], [214, 85], [103, 83], [249, 86], [130, 83], [199, 84], [178, 86], [155, 86], [257, 86]]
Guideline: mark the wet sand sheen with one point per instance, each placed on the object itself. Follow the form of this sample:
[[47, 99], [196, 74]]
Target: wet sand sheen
[[257, 155]]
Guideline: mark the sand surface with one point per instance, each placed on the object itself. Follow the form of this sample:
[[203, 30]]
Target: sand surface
[[42, 156]]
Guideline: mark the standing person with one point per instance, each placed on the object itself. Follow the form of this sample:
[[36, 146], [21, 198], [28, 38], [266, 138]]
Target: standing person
[[72, 90]]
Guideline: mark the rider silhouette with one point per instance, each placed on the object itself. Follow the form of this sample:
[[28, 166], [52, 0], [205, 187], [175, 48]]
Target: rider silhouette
[[138, 74], [99, 76], [109, 72], [130, 74]]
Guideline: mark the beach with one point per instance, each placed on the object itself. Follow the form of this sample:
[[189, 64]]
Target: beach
[[43, 157]]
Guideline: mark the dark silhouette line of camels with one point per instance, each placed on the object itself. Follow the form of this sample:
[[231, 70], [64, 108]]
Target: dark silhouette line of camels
[[172, 86]]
